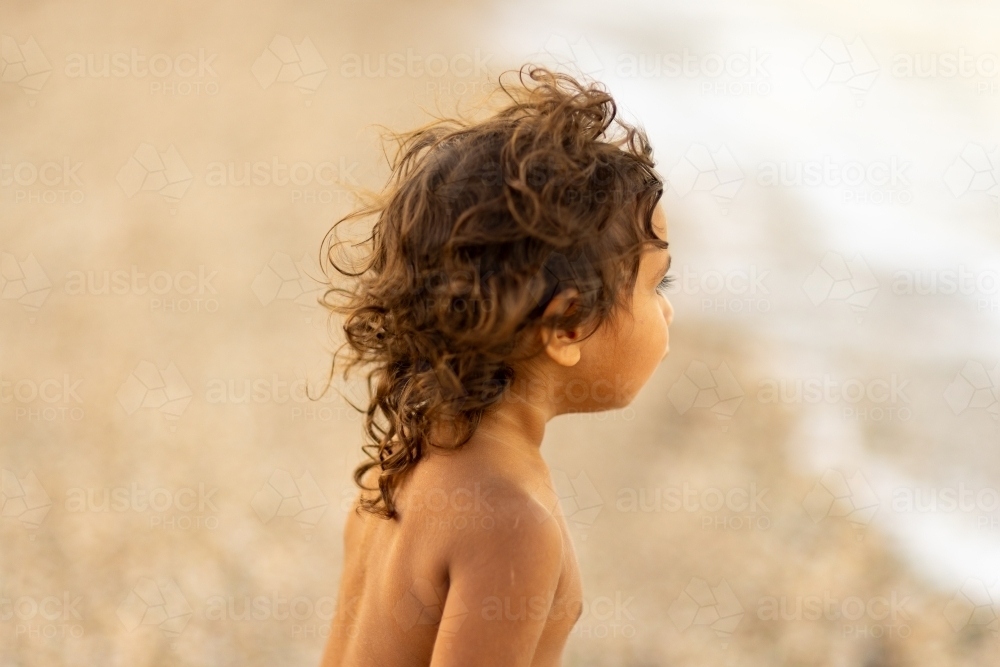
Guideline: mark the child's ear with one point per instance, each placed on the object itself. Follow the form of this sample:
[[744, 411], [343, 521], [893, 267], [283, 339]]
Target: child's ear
[[562, 345]]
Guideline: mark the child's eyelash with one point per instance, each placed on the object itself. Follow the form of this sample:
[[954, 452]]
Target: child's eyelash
[[665, 283]]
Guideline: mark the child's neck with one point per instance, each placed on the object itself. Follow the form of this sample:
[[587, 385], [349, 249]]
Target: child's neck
[[519, 423], [511, 432]]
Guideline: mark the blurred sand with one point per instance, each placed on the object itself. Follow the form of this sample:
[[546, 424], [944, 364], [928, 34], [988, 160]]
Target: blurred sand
[[180, 386]]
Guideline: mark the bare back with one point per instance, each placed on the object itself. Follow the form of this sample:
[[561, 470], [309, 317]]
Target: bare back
[[478, 568]]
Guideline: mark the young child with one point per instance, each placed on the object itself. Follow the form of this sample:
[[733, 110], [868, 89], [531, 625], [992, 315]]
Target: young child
[[515, 272]]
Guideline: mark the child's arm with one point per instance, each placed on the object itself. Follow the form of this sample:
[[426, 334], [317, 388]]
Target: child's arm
[[502, 583]]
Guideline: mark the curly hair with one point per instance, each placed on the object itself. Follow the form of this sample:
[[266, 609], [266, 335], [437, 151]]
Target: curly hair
[[479, 226]]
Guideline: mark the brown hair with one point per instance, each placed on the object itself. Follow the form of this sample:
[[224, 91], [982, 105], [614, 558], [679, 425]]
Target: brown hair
[[480, 225]]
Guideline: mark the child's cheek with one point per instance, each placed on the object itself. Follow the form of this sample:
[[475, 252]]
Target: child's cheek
[[657, 331]]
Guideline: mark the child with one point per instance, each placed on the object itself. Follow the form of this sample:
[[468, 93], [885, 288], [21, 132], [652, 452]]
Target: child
[[516, 272]]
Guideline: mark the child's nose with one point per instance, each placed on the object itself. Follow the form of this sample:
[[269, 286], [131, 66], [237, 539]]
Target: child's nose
[[668, 311]]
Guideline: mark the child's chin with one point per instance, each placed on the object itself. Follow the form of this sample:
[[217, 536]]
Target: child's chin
[[599, 409], [622, 402]]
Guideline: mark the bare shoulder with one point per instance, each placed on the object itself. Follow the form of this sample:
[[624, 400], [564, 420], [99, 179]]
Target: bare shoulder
[[482, 514], [513, 558], [356, 517]]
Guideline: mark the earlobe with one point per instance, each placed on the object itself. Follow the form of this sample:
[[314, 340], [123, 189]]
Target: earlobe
[[564, 349]]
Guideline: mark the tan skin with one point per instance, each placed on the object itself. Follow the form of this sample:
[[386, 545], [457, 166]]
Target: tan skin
[[479, 528]]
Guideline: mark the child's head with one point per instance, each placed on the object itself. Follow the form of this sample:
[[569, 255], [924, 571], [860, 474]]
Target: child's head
[[524, 247]]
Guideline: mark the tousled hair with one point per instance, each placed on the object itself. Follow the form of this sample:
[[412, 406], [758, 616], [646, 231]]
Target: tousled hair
[[480, 224]]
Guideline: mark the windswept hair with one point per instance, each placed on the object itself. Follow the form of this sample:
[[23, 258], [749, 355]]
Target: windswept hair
[[480, 225]]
